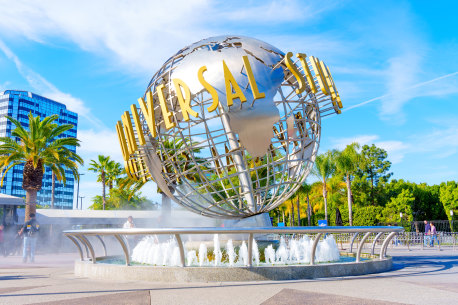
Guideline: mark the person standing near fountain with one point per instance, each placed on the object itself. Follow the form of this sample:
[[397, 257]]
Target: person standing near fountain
[[30, 230], [427, 233], [129, 224]]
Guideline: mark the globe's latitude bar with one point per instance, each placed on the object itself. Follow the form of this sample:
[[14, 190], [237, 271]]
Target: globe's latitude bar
[[229, 126]]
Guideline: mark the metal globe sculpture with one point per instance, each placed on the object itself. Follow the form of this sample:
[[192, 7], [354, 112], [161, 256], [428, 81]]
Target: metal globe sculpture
[[229, 126]]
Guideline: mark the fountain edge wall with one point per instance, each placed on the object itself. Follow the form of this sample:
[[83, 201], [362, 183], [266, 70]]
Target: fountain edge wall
[[229, 274]]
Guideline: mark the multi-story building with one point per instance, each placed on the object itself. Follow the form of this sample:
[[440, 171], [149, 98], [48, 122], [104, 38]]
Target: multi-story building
[[18, 104]]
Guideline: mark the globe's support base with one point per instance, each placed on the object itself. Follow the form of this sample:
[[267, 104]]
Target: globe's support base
[[229, 274]]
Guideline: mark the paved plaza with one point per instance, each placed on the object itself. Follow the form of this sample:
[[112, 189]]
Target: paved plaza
[[419, 277]]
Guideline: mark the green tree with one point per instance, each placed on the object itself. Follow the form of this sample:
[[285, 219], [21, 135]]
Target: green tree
[[367, 215], [449, 197], [38, 146], [65, 159], [113, 171], [306, 188], [347, 162], [323, 168], [374, 167], [399, 204], [100, 168]]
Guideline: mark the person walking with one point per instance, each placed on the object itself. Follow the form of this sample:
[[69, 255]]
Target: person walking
[[427, 234], [433, 234], [30, 231]]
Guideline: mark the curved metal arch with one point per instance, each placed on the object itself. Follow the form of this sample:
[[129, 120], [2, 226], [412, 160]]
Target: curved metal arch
[[85, 246], [89, 245], [385, 245], [77, 246], [353, 240], [360, 248], [375, 242], [180, 246], [124, 247], [315, 244], [103, 244]]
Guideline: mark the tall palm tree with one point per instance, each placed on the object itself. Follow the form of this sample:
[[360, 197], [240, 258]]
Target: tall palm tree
[[101, 167], [346, 162], [37, 147], [323, 169], [113, 171], [65, 159], [306, 188]]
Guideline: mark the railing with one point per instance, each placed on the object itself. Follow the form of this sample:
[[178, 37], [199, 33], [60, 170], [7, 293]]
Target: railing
[[79, 237], [411, 240]]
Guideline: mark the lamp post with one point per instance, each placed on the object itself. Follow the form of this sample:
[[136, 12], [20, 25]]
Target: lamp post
[[81, 206], [451, 216], [78, 189], [400, 215]]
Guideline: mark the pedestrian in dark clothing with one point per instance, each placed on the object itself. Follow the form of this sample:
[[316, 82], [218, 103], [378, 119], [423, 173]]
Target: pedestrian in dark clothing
[[30, 231], [427, 233]]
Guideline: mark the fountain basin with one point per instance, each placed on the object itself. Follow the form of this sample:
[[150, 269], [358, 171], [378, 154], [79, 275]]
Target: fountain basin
[[97, 267], [106, 271]]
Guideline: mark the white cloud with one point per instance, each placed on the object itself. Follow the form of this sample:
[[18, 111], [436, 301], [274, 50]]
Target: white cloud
[[41, 85], [100, 142], [396, 149], [361, 139], [141, 34]]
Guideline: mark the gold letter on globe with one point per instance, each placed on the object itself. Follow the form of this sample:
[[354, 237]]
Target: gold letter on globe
[[166, 114], [148, 112], [184, 101], [230, 82], [209, 88], [292, 67], [251, 80]]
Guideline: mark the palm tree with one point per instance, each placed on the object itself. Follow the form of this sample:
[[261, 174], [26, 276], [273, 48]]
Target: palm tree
[[64, 159], [306, 188], [101, 168], [113, 171], [346, 162], [323, 169], [37, 147]]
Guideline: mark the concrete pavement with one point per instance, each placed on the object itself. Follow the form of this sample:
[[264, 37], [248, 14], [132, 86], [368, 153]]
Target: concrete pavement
[[419, 277]]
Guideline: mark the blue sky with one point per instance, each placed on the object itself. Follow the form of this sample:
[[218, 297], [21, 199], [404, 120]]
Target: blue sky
[[394, 63]]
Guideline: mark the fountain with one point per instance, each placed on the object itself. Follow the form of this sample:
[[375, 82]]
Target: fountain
[[229, 127]]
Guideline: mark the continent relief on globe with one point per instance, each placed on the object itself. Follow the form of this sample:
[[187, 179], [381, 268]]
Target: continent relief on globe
[[242, 87]]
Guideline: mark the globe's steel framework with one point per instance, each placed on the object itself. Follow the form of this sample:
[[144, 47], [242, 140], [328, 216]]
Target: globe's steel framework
[[215, 164]]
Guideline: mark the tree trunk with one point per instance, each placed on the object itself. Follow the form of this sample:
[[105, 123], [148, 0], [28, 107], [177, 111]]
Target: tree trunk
[[32, 180], [291, 216], [298, 212], [372, 191], [103, 190], [350, 201], [283, 213], [309, 211], [325, 197], [53, 189], [30, 203]]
